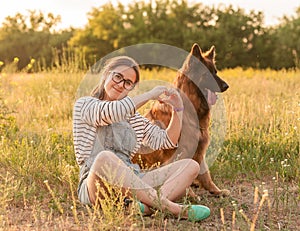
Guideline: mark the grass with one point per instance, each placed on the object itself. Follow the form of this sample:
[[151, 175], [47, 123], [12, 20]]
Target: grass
[[259, 161]]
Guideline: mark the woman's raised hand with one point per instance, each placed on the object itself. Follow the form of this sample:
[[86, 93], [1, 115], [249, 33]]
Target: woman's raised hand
[[172, 97], [157, 92], [163, 94]]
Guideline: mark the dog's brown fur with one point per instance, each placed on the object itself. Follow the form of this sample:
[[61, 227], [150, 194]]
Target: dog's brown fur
[[191, 80]]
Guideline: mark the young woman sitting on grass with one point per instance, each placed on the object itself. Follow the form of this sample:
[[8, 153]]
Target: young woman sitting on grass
[[108, 130]]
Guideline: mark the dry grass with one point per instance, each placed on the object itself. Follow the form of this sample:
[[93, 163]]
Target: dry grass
[[259, 161]]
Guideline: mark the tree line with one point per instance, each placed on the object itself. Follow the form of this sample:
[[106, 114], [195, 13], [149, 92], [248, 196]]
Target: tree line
[[240, 38]]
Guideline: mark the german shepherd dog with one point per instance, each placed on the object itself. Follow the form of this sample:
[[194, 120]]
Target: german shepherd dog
[[197, 81]]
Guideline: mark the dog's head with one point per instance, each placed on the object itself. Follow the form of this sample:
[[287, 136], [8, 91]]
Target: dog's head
[[199, 67]]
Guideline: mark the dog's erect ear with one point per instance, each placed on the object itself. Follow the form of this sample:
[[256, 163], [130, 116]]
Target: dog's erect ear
[[196, 51], [211, 54]]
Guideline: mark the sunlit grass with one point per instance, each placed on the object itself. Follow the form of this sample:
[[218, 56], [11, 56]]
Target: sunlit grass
[[261, 145], [263, 114]]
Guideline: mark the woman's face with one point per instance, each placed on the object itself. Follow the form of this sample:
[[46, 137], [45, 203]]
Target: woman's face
[[115, 82]]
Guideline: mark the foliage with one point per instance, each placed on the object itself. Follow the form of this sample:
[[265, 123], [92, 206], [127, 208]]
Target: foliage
[[30, 38], [241, 38], [287, 51]]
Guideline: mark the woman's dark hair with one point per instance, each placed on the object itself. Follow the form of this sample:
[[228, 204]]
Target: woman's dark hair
[[110, 64]]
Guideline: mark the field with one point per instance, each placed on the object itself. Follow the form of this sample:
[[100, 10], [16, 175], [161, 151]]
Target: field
[[259, 160]]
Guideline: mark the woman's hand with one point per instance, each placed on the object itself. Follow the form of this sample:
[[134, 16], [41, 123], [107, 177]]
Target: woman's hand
[[153, 94], [157, 92], [162, 94], [172, 97]]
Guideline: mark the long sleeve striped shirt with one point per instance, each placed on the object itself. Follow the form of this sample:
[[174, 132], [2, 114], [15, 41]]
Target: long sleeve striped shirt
[[90, 112]]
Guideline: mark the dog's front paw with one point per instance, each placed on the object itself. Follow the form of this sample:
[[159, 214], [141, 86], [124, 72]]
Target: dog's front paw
[[221, 192]]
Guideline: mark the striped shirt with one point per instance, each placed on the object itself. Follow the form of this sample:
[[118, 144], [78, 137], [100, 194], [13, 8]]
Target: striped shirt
[[90, 113]]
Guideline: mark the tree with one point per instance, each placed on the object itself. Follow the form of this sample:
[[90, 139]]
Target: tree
[[286, 48], [240, 38], [30, 37], [101, 35], [235, 34]]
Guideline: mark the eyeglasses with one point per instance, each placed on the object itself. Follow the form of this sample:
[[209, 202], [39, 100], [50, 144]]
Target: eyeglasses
[[118, 78]]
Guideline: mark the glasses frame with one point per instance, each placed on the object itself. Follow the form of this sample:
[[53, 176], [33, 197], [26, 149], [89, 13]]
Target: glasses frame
[[113, 77]]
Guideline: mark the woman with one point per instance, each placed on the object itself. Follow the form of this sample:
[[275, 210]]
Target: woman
[[108, 131]]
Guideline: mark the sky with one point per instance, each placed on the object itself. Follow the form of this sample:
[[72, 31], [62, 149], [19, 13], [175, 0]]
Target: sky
[[74, 12]]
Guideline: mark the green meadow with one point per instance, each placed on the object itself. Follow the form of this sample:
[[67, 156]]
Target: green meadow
[[258, 162]]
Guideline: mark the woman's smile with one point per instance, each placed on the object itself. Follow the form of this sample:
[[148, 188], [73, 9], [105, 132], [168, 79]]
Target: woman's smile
[[114, 90]]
